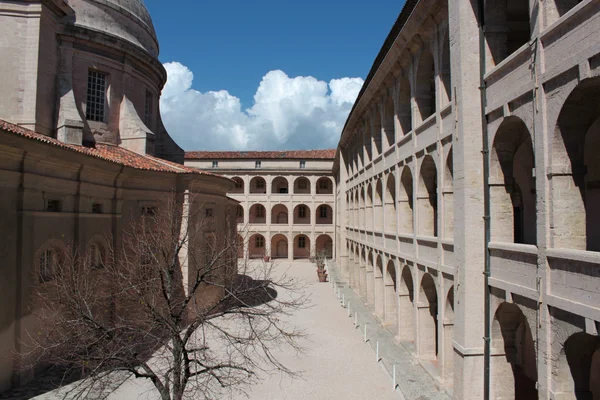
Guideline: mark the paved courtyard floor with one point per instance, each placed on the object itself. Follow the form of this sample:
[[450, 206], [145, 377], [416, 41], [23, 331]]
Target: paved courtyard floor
[[337, 363]]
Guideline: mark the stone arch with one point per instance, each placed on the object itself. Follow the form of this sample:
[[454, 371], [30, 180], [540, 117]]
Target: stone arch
[[405, 202], [258, 185], [258, 214], [388, 121], [512, 184], [301, 214], [324, 185], [448, 366], [370, 278], [378, 206], [302, 247], [390, 204], [362, 277], [425, 85], [427, 198], [448, 196], [391, 295], [324, 244], [376, 132], [579, 368], [428, 319], [324, 215], [445, 67], [302, 185], [507, 28], [240, 246], [239, 185], [369, 213], [576, 170], [257, 246], [406, 305], [279, 215], [403, 106], [280, 185], [513, 365], [239, 214], [279, 246], [379, 286], [362, 212]]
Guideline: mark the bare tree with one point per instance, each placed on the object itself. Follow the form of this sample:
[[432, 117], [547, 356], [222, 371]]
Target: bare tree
[[169, 304]]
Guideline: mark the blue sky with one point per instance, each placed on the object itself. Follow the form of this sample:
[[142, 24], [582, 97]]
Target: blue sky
[[262, 74]]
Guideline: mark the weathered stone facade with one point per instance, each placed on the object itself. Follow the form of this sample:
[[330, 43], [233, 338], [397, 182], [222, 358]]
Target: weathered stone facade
[[286, 200], [412, 194]]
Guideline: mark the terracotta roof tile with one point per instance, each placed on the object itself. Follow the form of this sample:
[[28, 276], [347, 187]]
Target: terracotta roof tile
[[282, 154], [107, 152]]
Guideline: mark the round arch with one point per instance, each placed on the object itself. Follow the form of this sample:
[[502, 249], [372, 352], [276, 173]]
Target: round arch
[[579, 367], [391, 295], [448, 196], [302, 214], [279, 215], [448, 365], [239, 185], [302, 185], [406, 305], [378, 205], [390, 204], [425, 85], [324, 244], [379, 288], [258, 185], [279, 246], [258, 214], [279, 185], [405, 201], [427, 197], [324, 215], [324, 185], [256, 246], [428, 319], [301, 247]]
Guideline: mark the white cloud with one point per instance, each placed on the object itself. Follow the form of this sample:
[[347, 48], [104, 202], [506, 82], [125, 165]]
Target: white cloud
[[288, 113]]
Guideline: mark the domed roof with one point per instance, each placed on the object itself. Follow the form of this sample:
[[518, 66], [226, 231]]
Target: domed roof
[[126, 19]]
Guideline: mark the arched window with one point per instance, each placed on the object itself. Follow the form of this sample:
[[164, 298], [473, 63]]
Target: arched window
[[425, 93], [239, 185]]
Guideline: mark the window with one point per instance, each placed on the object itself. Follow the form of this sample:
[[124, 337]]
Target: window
[[96, 96], [48, 261], [96, 257], [257, 164], [239, 184], [215, 164], [97, 208], [260, 211], [323, 184], [260, 242], [240, 211], [148, 211], [208, 213], [53, 206], [302, 211], [302, 184], [283, 190], [260, 184], [323, 211], [302, 164], [302, 242], [148, 108]]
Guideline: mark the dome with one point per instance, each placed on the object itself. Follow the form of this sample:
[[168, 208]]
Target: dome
[[125, 19]]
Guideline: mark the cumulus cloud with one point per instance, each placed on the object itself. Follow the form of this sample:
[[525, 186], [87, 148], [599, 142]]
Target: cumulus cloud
[[287, 113]]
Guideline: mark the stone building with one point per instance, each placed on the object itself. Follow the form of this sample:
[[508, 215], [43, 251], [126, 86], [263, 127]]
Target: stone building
[[467, 195], [83, 152], [286, 199]]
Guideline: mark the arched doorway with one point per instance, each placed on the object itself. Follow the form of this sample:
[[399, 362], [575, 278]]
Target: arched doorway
[[279, 215], [512, 184], [301, 247], [513, 366], [324, 245], [279, 246], [391, 295], [407, 306], [428, 319]]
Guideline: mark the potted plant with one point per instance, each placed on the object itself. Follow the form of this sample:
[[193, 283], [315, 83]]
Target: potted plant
[[321, 272]]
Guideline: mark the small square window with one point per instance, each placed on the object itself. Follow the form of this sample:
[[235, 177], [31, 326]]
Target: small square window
[[97, 208], [323, 184], [215, 164], [260, 184], [260, 211], [257, 164], [302, 164], [148, 211], [208, 212], [302, 212], [323, 212], [302, 242], [53, 206]]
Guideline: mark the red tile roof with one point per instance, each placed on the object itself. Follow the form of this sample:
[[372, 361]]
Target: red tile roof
[[107, 152], [282, 154]]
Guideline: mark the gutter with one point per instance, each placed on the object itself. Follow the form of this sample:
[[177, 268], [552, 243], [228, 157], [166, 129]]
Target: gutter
[[486, 205]]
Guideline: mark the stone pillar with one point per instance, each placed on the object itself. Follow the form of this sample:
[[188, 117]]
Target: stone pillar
[[468, 202]]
